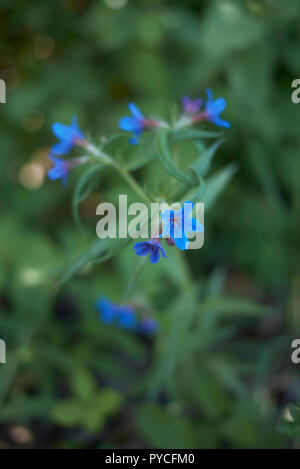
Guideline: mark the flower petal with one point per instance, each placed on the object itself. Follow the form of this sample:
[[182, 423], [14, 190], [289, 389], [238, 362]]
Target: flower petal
[[76, 132], [162, 251], [181, 243], [61, 148], [135, 111], [134, 141], [62, 131], [142, 249], [197, 226], [220, 122], [128, 124], [154, 258], [187, 208]]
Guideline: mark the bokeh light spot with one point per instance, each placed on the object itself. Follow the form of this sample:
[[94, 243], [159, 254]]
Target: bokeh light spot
[[43, 47], [115, 4], [32, 175]]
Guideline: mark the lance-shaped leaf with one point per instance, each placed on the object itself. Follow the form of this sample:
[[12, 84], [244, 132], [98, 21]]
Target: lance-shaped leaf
[[142, 154], [202, 164], [188, 133], [197, 194], [167, 160], [100, 251], [216, 183], [83, 188]]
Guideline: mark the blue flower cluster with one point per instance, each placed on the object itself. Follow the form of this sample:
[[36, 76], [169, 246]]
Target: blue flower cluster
[[69, 136], [124, 317], [211, 112], [137, 123], [177, 224]]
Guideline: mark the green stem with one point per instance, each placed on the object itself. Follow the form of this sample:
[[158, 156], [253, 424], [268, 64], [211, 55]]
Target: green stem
[[99, 154], [131, 181], [133, 279]]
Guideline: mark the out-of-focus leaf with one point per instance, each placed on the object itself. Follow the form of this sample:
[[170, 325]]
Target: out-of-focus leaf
[[167, 161], [83, 384], [164, 430], [100, 251], [202, 165], [194, 134], [83, 188], [215, 184]]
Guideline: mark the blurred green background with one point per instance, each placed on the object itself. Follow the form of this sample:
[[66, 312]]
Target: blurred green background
[[219, 373]]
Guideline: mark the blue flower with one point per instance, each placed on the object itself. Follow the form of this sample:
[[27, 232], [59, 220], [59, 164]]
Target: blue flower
[[107, 310], [213, 109], [148, 326], [136, 124], [152, 247], [177, 224], [61, 168], [191, 106], [69, 136], [126, 318], [110, 313]]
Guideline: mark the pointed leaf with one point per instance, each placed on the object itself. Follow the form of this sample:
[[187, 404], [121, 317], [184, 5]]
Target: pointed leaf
[[167, 161]]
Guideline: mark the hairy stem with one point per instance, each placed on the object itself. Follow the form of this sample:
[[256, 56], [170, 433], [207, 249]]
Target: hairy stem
[[99, 154]]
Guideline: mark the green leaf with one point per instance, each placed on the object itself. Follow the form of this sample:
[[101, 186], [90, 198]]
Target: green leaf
[[105, 403], [200, 387], [176, 341], [91, 414], [83, 188], [202, 165], [231, 306], [112, 138], [216, 184], [163, 430], [212, 310], [83, 383], [196, 195], [167, 161], [100, 251], [68, 412], [143, 154], [188, 133]]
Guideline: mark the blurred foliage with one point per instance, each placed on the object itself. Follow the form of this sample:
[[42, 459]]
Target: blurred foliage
[[219, 372]]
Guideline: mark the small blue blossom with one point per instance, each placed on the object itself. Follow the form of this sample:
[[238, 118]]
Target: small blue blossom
[[61, 168], [177, 224], [126, 318], [69, 136], [152, 247], [148, 326], [107, 310], [136, 124], [111, 313], [213, 109], [191, 106]]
